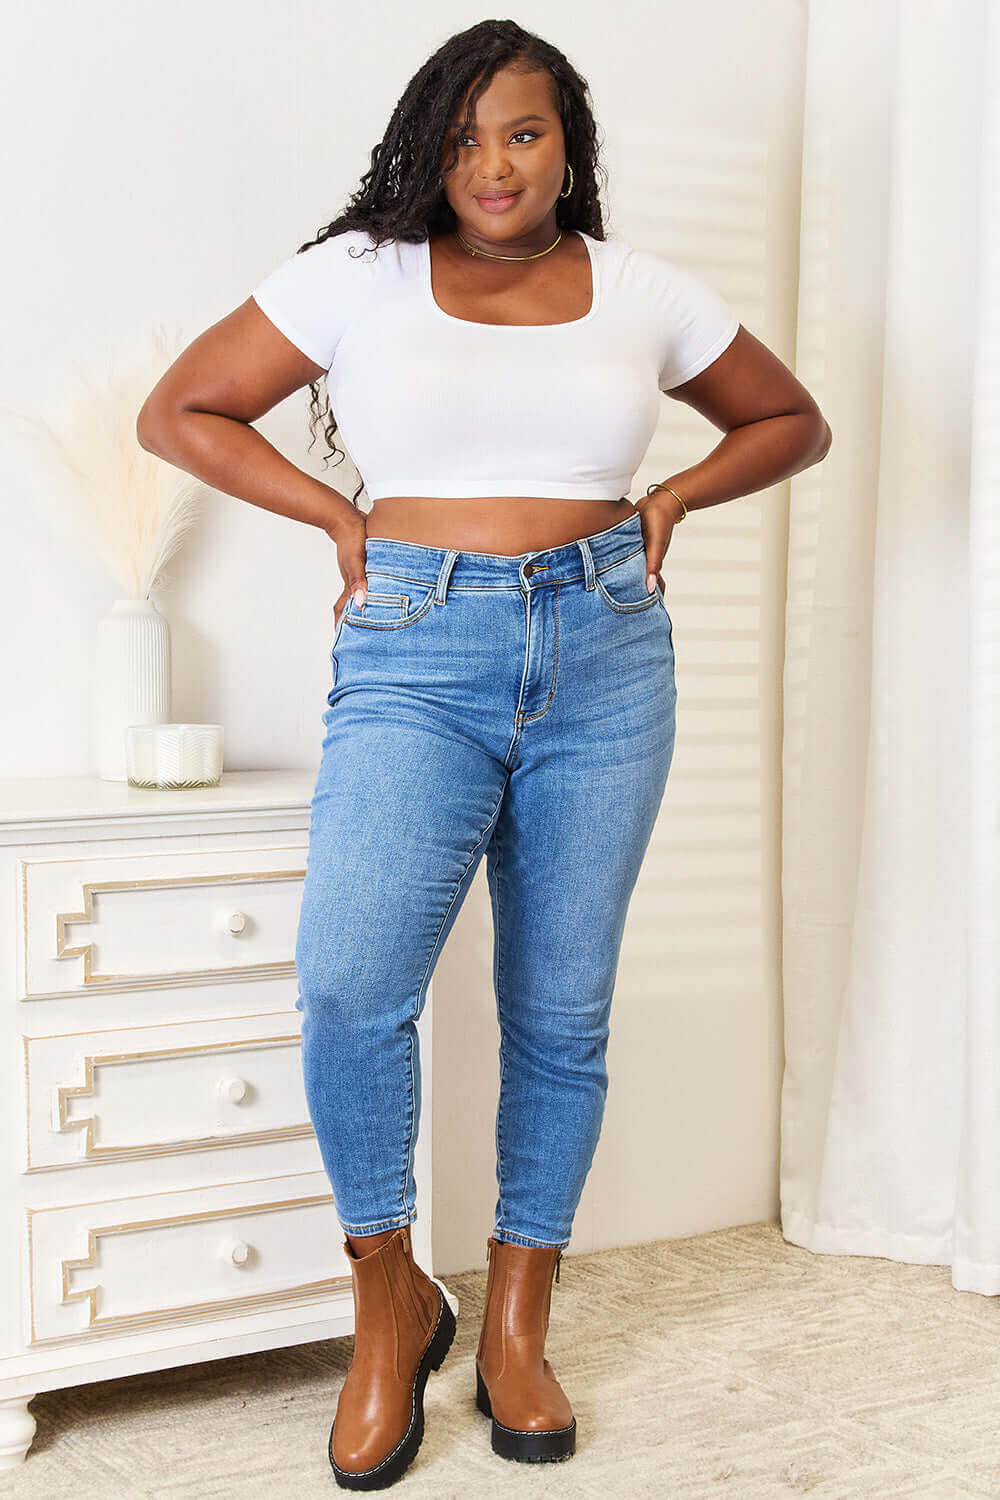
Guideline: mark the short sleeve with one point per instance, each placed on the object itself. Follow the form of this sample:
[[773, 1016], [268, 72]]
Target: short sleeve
[[311, 295], [694, 324]]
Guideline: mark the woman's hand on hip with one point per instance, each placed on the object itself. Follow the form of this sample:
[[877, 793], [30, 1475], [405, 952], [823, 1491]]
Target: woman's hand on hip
[[350, 540], [658, 518]]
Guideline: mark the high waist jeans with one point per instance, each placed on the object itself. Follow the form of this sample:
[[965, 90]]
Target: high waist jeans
[[521, 707]]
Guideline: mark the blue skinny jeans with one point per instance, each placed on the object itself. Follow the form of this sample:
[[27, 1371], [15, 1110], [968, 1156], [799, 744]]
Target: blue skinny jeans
[[517, 706]]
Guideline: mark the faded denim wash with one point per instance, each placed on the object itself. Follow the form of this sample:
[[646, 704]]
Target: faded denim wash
[[521, 707]]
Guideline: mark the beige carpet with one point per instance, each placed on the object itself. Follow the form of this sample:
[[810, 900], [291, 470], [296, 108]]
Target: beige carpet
[[725, 1364]]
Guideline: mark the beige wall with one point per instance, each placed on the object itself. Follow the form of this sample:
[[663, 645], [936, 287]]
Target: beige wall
[[164, 159]]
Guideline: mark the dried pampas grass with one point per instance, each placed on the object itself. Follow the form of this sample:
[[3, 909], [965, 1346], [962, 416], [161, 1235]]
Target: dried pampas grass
[[134, 508]]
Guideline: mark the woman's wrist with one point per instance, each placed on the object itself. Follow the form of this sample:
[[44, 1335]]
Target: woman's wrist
[[668, 493], [341, 515]]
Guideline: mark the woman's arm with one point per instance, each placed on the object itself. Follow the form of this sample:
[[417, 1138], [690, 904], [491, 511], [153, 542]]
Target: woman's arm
[[198, 418], [773, 429], [772, 424]]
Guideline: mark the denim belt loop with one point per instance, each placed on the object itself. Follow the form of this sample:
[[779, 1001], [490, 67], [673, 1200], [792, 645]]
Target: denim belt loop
[[588, 562], [441, 592]]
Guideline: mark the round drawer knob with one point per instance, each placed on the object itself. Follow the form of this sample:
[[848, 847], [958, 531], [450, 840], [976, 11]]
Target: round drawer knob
[[237, 922], [239, 1252], [233, 1089]]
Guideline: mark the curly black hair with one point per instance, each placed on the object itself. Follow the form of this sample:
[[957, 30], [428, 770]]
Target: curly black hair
[[401, 196]]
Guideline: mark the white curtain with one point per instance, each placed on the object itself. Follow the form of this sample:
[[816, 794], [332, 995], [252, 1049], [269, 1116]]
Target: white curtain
[[890, 1108]]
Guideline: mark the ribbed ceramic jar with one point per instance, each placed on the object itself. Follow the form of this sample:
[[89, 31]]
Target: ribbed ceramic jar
[[131, 680]]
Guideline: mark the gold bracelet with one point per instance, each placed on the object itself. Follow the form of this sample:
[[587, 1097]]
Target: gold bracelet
[[684, 509]]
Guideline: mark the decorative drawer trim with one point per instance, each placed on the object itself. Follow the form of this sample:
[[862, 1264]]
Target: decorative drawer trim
[[90, 1294], [60, 895], [46, 1263], [85, 950], [92, 1061]]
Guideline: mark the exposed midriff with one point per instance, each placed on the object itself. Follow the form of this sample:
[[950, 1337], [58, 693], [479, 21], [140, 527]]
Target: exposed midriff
[[501, 523]]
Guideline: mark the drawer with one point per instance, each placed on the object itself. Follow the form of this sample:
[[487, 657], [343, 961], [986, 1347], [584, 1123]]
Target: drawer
[[151, 1091], [129, 1264], [108, 921]]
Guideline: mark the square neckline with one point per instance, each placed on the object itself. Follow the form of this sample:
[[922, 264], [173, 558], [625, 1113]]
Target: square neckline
[[595, 294]]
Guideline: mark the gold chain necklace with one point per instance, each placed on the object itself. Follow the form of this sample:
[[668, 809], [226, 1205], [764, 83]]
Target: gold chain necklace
[[474, 250]]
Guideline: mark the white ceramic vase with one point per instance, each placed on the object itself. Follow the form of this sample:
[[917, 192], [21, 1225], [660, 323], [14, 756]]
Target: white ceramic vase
[[131, 679]]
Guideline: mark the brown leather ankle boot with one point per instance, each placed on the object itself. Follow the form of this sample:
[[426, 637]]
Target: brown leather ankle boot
[[515, 1384], [403, 1328]]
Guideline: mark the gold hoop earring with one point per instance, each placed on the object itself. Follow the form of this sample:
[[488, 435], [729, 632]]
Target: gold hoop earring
[[570, 188]]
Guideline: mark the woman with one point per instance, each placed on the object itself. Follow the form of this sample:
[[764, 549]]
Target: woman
[[503, 671]]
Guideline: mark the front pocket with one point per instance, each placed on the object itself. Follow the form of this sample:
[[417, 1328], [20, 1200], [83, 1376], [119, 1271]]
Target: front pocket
[[389, 611], [622, 586], [378, 606]]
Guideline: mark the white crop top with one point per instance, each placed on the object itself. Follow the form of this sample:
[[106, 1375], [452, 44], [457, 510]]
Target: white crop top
[[430, 404]]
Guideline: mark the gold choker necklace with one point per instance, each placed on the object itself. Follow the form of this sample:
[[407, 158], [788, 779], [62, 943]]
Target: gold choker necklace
[[473, 250]]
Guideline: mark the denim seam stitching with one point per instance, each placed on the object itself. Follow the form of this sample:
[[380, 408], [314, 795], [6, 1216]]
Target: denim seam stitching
[[518, 714], [410, 619], [381, 598], [443, 581], [588, 563], [498, 984], [472, 588], [626, 609], [514, 746], [408, 1158], [423, 980], [528, 718], [333, 647], [617, 562], [526, 1239], [478, 588], [379, 1224]]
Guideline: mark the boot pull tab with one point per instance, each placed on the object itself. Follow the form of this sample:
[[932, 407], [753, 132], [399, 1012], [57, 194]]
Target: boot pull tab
[[489, 1248], [558, 1259]]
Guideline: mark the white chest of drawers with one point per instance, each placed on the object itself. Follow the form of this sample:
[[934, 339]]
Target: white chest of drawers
[[163, 1195]]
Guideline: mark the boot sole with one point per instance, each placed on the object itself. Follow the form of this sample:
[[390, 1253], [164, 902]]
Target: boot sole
[[526, 1445], [395, 1463]]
